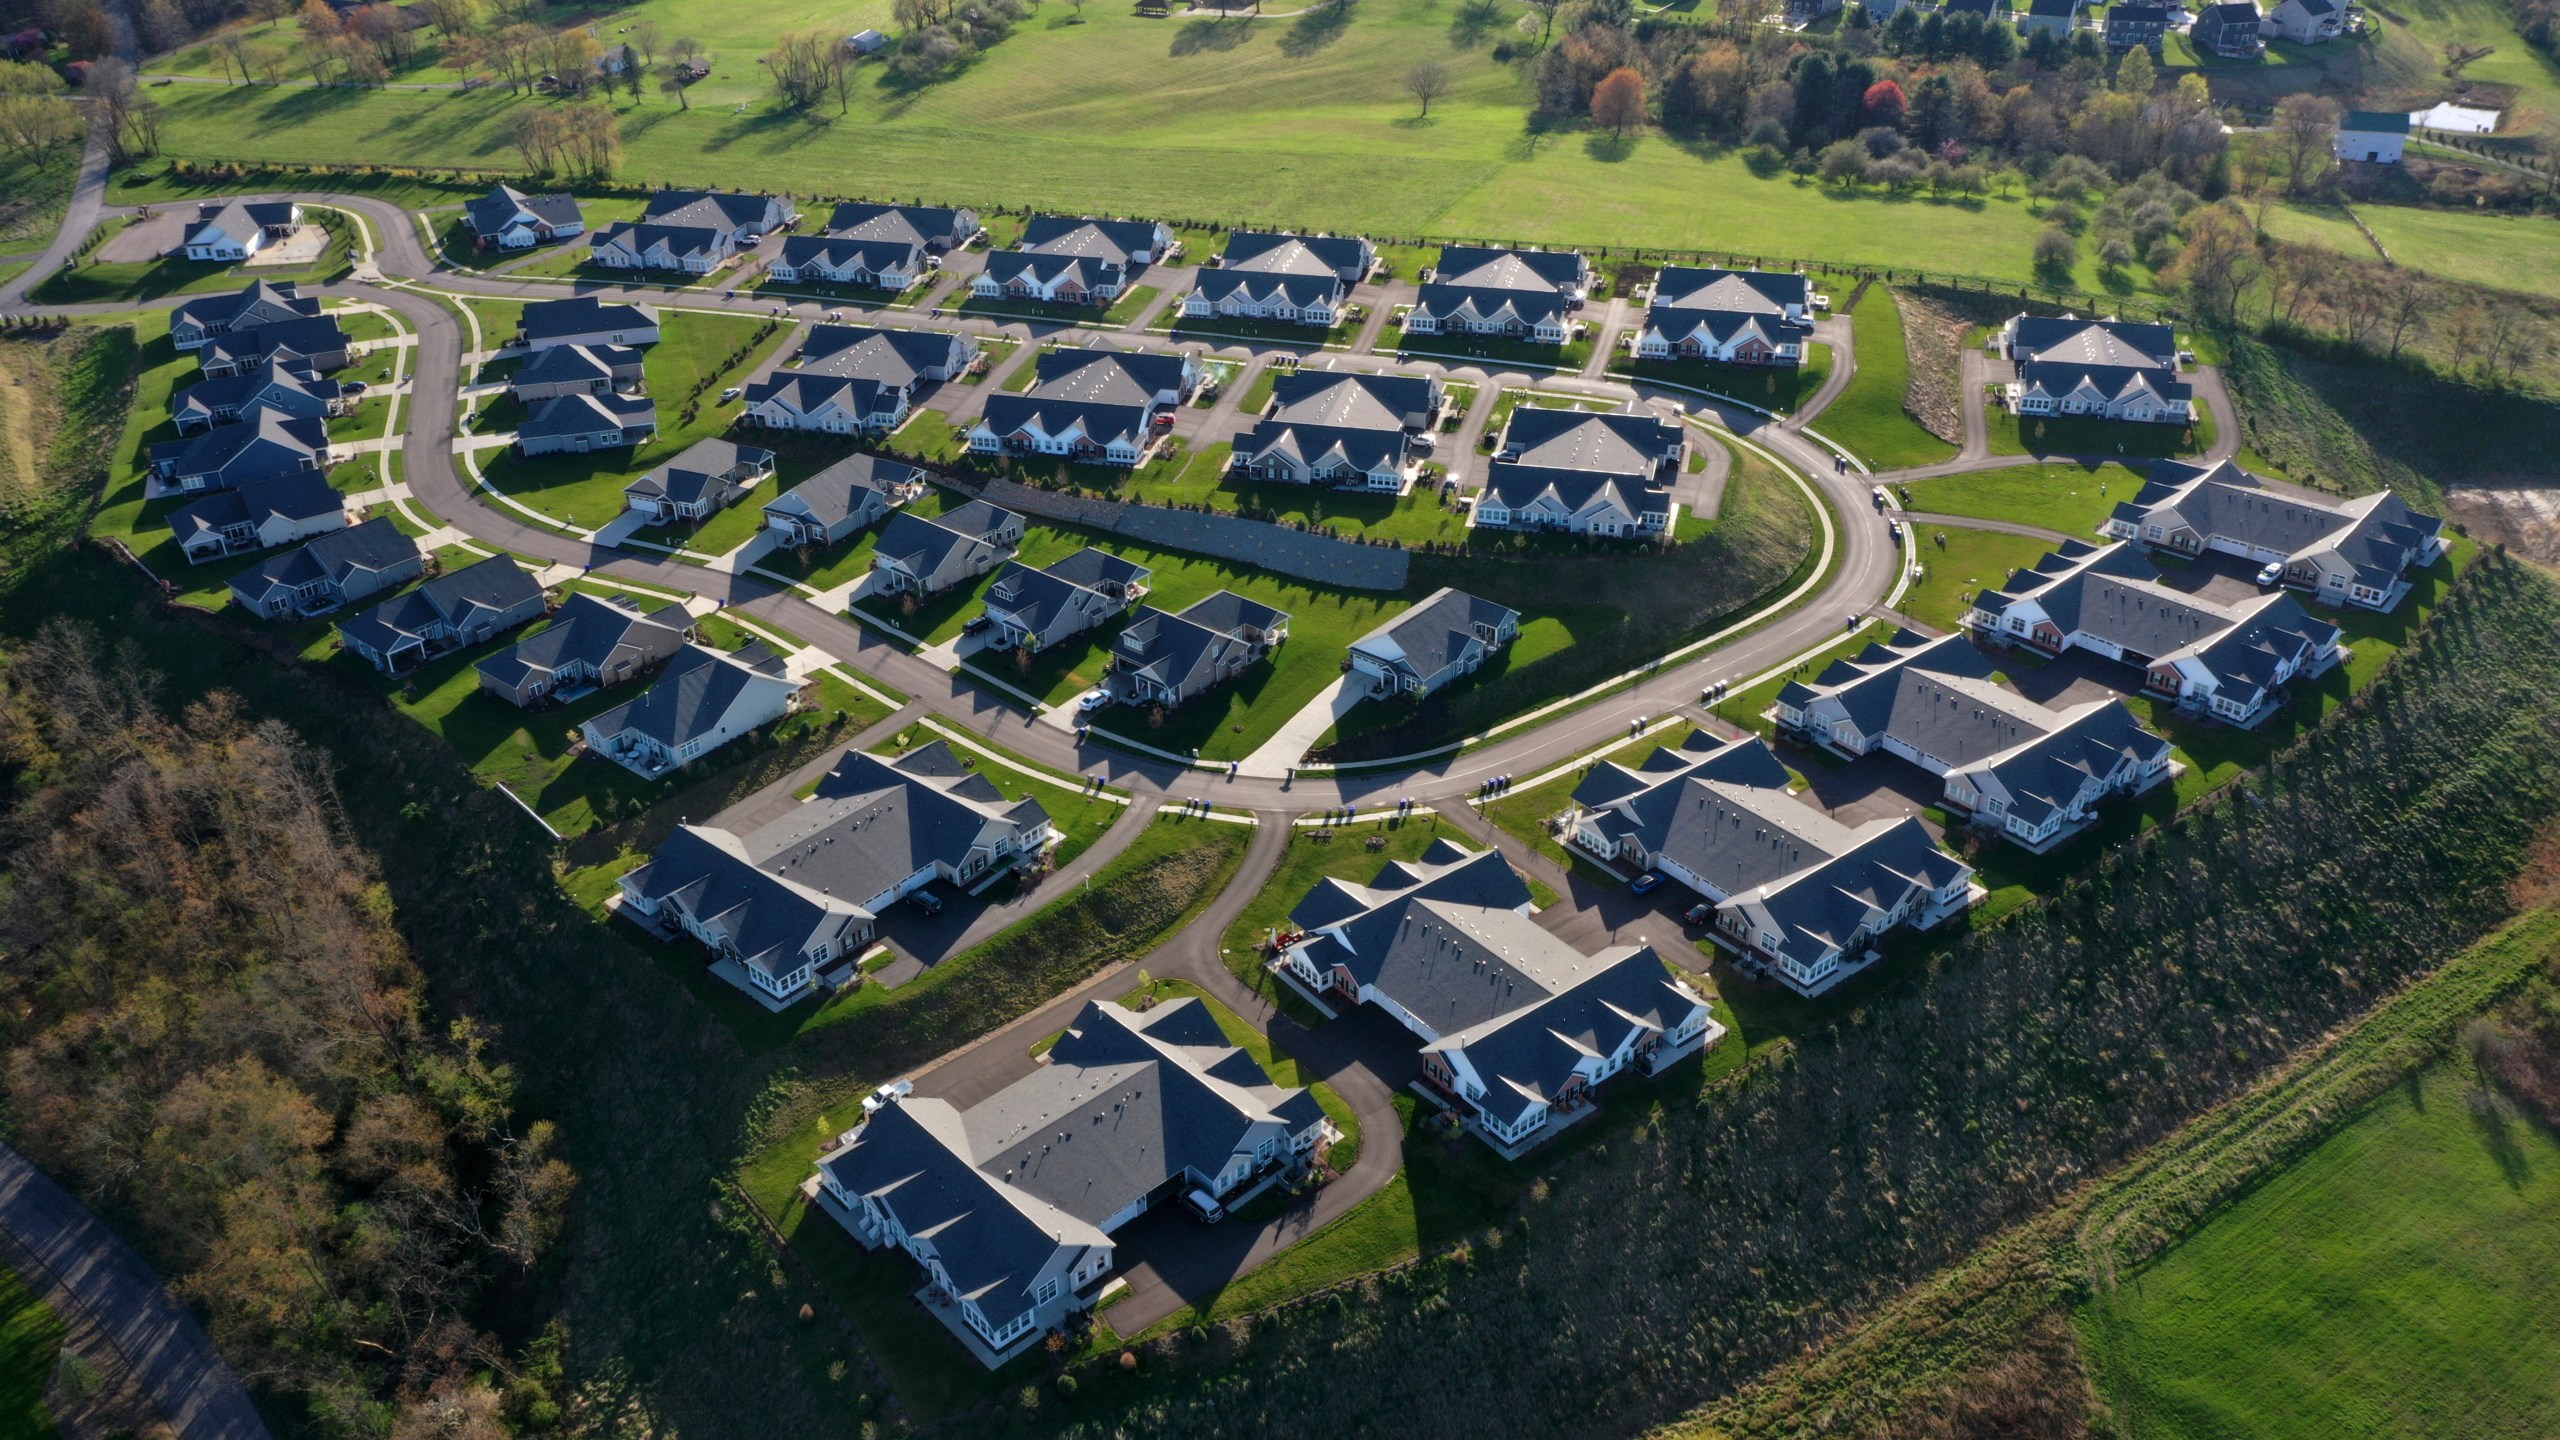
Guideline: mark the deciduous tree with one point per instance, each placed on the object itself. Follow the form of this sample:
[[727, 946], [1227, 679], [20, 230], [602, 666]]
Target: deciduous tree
[[1427, 82], [1618, 100]]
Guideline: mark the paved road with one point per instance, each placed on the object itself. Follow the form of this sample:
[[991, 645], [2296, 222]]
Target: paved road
[[77, 1264], [1971, 522]]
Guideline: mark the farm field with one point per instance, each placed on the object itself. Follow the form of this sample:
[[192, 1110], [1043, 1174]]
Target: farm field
[[2403, 1278]]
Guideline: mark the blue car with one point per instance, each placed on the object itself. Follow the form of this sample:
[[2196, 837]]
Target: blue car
[[1645, 882]]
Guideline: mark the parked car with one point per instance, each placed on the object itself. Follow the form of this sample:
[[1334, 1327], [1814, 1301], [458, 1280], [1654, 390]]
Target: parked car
[[1700, 914], [1203, 1206], [1645, 883], [977, 623], [732, 393], [2272, 573], [350, 387], [889, 1094], [1425, 443], [926, 901], [1095, 701]]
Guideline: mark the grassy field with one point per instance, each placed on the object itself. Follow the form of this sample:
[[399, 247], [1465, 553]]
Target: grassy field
[[2012, 434], [1952, 572], [2401, 1279], [2068, 498], [93, 283], [1868, 417], [1101, 112], [30, 1337], [2506, 252], [35, 197]]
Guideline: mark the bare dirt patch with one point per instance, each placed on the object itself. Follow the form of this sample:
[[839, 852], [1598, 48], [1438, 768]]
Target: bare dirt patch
[[2526, 518], [1933, 338], [28, 415]]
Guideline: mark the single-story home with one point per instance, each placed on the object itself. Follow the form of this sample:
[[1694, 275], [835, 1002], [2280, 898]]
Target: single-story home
[[1446, 634], [462, 608], [337, 568]]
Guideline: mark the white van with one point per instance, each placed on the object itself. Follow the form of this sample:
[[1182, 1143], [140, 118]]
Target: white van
[[1203, 1206]]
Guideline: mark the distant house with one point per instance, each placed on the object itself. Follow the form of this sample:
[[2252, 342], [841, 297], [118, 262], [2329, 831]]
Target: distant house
[[1794, 889], [586, 321], [702, 700], [2229, 661], [2343, 552], [2228, 31], [1515, 294], [257, 303], [261, 447], [1032, 609], [703, 479], [925, 557], [508, 219], [841, 501], [1167, 659], [857, 379], [1582, 473], [579, 422], [276, 387], [1731, 317], [2057, 18], [637, 245], [260, 515], [2372, 137], [1295, 279], [1011, 1223], [743, 218], [338, 568], [1093, 405], [2132, 24], [237, 229], [1067, 260], [1446, 634], [475, 603], [2105, 369], [1518, 1028], [885, 247], [783, 903], [589, 642], [866, 42], [557, 370], [1346, 428], [314, 343], [2307, 22]]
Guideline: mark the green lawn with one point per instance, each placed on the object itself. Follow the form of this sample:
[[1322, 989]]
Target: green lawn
[[2505, 252], [2070, 498], [1771, 387], [30, 1337], [2401, 1279], [93, 283], [1868, 417], [1968, 561], [1344, 854], [2012, 434], [1743, 707]]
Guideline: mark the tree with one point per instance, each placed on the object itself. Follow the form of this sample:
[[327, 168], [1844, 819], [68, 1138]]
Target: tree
[[232, 49], [1546, 10], [2405, 301], [1883, 104], [2056, 251], [160, 26], [685, 50], [452, 18], [1427, 82], [2220, 261], [318, 21], [674, 85], [2305, 125], [1844, 162], [1618, 100], [643, 37], [798, 66], [2134, 72], [88, 34], [37, 122]]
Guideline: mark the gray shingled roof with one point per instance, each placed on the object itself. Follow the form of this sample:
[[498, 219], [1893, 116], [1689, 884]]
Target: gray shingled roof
[[495, 585], [581, 315], [294, 495], [1427, 638], [835, 493], [585, 630], [691, 694], [873, 822], [1525, 1057], [1601, 444]]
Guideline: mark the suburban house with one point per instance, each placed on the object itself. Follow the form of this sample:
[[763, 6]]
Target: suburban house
[[314, 343], [1517, 1026], [557, 370], [1345, 428], [2307, 22], [702, 700], [2146, 25], [2344, 552], [585, 320], [273, 387], [2106, 369], [2229, 662], [1065, 260], [267, 444], [1010, 1222], [338, 567], [1583, 473], [1031, 609], [784, 903], [465, 607], [2372, 137], [926, 557], [2229, 31], [580, 421], [706, 477], [694, 231], [590, 643], [886, 247], [508, 219], [855, 379], [257, 303], [1092, 405], [744, 219], [1732, 317], [2057, 18], [2035, 774], [1518, 294], [238, 229], [260, 515], [1166, 659], [1796, 892], [842, 500], [1448, 633], [1266, 275]]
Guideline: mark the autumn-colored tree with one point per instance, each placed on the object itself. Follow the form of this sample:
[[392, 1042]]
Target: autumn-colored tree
[[1884, 104], [1618, 100]]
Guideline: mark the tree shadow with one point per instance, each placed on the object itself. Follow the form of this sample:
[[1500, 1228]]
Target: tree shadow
[[1476, 22], [1198, 37], [2496, 1122], [1413, 122], [1608, 149], [1316, 29]]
